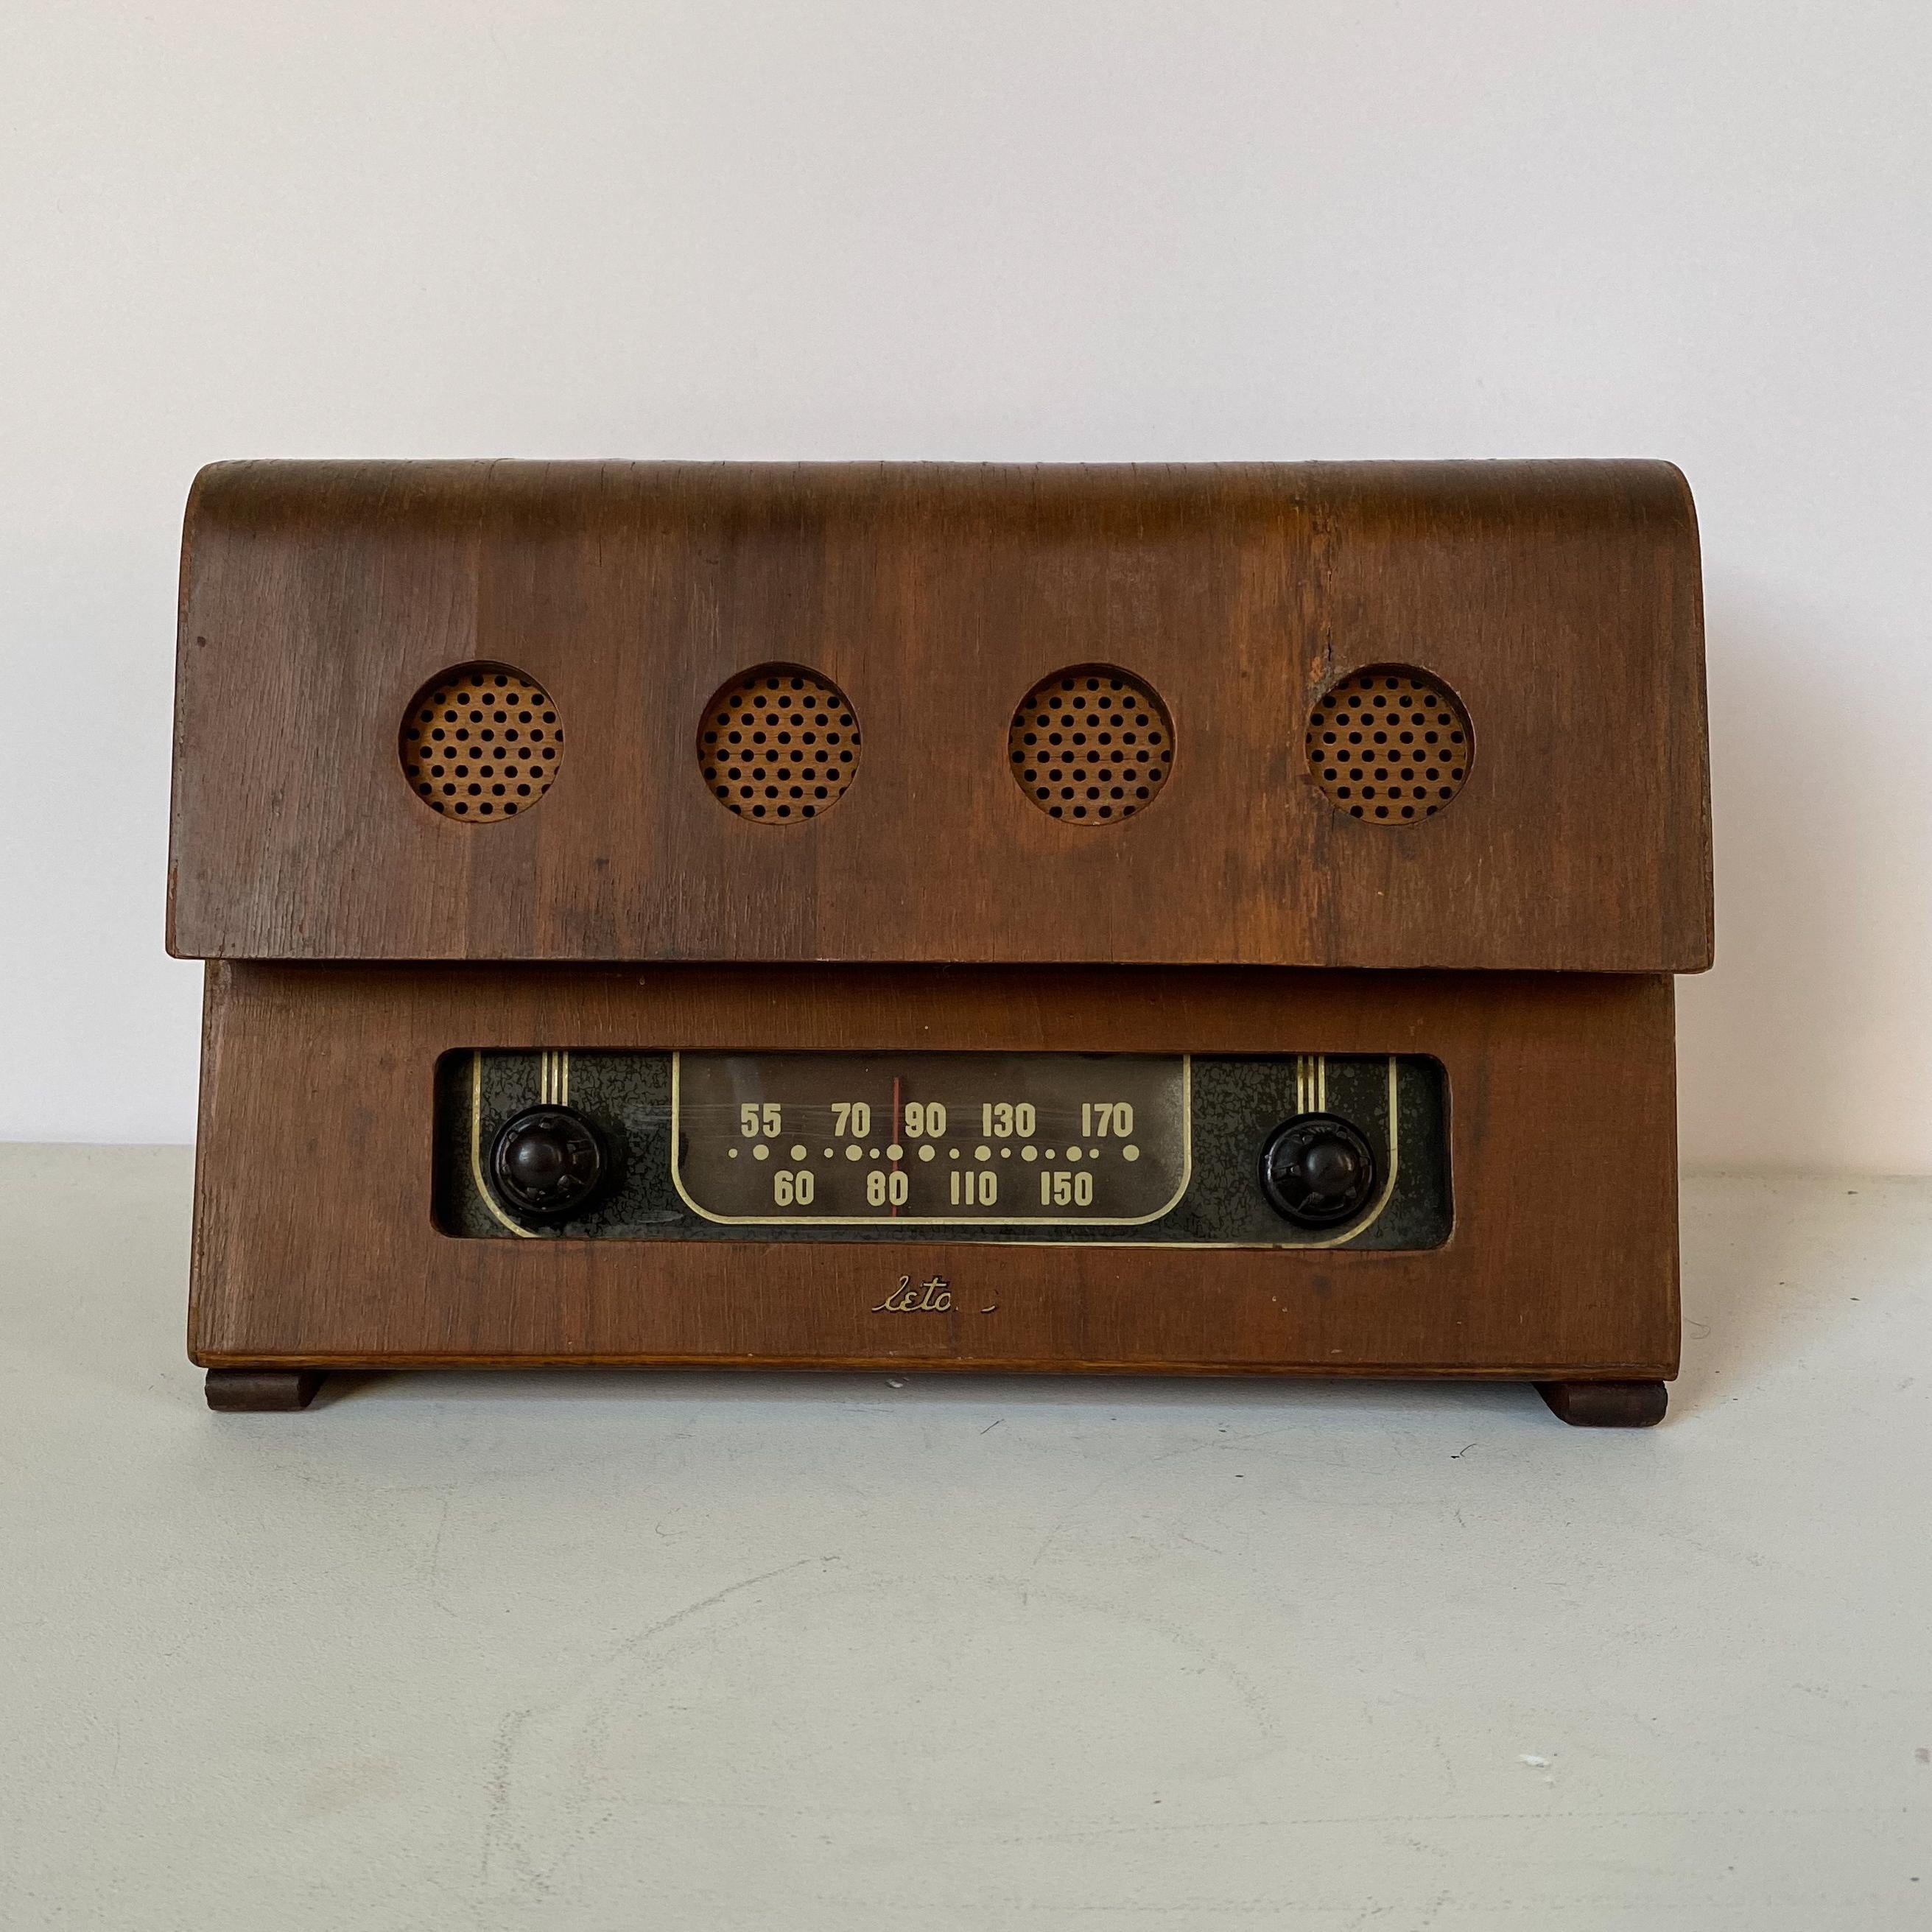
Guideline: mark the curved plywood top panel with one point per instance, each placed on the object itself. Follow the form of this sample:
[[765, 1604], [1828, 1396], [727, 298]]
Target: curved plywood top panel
[[1553, 608]]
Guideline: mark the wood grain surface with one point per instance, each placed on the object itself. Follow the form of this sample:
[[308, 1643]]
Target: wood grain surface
[[1560, 601], [313, 1243]]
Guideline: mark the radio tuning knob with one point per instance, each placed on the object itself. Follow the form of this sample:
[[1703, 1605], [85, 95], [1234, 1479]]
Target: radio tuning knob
[[1317, 1171], [549, 1163]]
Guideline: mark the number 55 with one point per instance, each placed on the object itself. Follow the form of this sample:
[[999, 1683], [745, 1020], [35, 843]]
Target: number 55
[[757, 1123]]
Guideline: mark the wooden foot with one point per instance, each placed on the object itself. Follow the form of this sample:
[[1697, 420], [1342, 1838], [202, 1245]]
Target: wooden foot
[[241, 1391], [1606, 1405]]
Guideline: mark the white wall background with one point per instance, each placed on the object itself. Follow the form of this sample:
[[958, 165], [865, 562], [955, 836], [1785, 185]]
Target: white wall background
[[993, 229]]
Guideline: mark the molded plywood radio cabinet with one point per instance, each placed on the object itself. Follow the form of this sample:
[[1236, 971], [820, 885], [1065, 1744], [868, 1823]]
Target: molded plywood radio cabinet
[[1206, 920]]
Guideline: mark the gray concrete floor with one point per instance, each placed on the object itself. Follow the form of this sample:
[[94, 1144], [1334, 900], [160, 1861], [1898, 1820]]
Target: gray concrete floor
[[608, 1651]]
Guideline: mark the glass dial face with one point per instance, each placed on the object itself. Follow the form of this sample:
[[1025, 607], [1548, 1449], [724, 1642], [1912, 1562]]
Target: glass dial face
[[1072, 1138]]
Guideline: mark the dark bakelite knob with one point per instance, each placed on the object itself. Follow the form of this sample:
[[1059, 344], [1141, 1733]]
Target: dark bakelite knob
[[548, 1162], [1317, 1171]]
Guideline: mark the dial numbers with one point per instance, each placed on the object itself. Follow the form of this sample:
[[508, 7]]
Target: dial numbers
[[922, 1136]]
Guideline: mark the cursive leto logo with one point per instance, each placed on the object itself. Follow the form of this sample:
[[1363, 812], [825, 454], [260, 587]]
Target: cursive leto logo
[[930, 1297]]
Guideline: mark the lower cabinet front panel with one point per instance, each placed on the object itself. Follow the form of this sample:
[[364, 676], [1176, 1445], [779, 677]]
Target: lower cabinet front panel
[[1189, 1170]]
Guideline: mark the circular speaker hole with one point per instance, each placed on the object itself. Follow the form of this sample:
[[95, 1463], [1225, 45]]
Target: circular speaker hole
[[1090, 745], [778, 745], [1389, 744], [481, 743]]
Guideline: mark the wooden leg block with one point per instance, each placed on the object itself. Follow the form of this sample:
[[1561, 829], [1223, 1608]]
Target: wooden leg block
[[1606, 1405], [245, 1390]]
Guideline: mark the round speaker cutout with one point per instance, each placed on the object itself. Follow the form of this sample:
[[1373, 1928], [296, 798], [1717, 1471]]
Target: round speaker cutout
[[1091, 745], [481, 743], [778, 744], [1389, 744]]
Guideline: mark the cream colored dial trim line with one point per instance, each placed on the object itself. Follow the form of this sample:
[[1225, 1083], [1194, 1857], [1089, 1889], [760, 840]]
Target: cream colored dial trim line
[[1375, 1213], [553, 1079], [483, 1193]]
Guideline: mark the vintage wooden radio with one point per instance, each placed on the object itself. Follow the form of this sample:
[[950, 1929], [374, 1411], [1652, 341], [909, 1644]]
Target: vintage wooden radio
[[1192, 920]]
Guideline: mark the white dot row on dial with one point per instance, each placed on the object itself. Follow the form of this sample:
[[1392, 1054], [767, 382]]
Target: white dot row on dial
[[761, 1151]]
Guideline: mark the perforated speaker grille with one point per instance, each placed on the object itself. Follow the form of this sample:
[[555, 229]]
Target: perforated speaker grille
[[1091, 745], [1390, 745], [778, 744], [481, 743]]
